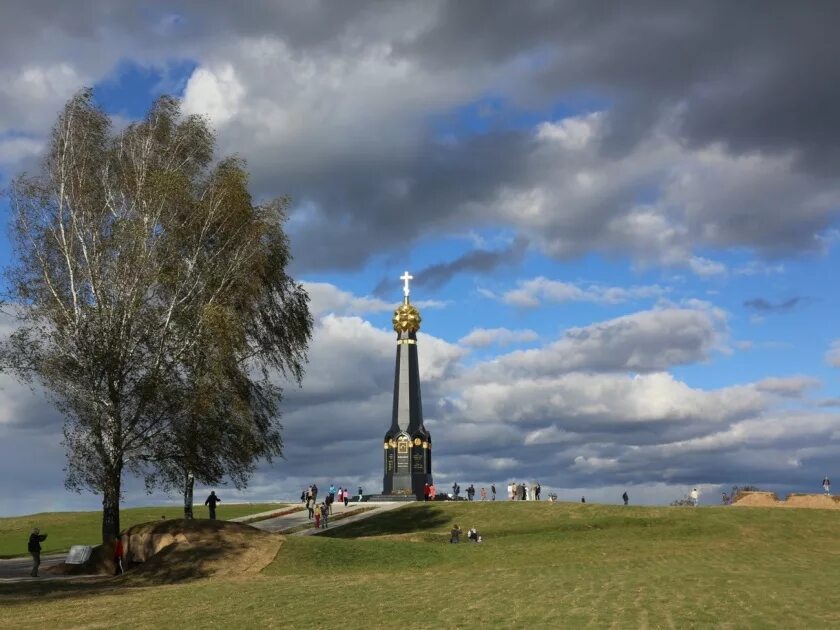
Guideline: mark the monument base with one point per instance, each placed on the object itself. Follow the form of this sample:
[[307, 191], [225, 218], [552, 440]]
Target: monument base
[[391, 497]]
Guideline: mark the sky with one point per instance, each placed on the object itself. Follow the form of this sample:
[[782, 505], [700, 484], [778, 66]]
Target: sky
[[623, 221]]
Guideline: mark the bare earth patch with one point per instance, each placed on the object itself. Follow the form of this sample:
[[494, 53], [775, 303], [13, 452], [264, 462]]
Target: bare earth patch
[[176, 550], [769, 499]]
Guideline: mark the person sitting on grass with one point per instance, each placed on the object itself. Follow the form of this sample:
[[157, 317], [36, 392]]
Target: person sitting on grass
[[474, 536], [455, 534]]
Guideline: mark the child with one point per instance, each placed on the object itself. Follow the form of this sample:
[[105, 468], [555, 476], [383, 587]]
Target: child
[[455, 534], [317, 516]]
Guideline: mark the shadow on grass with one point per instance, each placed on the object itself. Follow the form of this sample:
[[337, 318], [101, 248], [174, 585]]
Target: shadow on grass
[[407, 520]]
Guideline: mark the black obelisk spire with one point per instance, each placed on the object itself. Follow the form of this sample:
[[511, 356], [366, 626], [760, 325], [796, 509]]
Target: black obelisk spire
[[408, 445]]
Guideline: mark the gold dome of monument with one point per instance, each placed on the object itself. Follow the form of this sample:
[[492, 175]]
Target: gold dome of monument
[[406, 318]]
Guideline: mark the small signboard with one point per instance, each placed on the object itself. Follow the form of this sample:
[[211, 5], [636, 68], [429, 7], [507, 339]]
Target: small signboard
[[78, 554]]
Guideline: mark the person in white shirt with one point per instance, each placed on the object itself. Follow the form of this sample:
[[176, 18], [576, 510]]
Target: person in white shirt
[[695, 496]]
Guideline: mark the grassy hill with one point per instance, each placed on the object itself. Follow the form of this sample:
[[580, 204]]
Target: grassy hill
[[84, 528], [541, 565]]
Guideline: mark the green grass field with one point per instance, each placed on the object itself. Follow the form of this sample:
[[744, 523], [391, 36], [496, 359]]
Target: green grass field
[[84, 528], [541, 566]]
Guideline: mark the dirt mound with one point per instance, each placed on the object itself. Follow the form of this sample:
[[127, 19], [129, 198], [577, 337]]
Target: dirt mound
[[757, 499], [821, 501], [179, 549], [769, 499]]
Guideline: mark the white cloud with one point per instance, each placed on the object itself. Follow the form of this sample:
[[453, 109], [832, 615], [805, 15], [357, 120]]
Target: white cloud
[[788, 386], [532, 293], [484, 337], [215, 92], [832, 355]]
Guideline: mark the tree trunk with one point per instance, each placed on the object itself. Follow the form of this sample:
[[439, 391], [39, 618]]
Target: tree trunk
[[111, 509], [188, 496]]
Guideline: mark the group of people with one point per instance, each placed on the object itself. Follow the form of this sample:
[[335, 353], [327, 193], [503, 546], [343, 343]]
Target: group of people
[[320, 512], [472, 534], [524, 492]]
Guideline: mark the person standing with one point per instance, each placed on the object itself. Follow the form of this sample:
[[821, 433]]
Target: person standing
[[35, 540], [432, 492], [524, 487], [625, 497], [583, 499], [493, 491], [346, 497], [314, 492], [483, 494], [427, 490], [325, 513], [317, 517], [119, 552], [695, 497], [211, 502], [826, 484], [537, 490], [360, 494], [332, 491], [310, 507]]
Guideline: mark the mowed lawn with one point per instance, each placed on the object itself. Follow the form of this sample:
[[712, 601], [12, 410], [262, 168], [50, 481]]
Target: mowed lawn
[[542, 565], [84, 528]]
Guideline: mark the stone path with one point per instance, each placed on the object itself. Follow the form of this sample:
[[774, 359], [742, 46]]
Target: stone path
[[296, 519], [17, 569]]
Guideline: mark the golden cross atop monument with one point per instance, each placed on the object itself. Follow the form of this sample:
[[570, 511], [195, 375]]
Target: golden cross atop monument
[[405, 278]]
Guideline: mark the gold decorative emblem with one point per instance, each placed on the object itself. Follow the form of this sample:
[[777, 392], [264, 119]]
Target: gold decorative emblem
[[416, 441], [392, 444], [425, 445], [406, 318]]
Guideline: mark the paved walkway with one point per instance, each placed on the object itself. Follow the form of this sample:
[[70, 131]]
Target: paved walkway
[[17, 569], [290, 521]]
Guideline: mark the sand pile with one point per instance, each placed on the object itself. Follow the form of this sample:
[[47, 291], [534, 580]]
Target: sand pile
[[769, 499], [820, 501], [756, 499], [179, 549]]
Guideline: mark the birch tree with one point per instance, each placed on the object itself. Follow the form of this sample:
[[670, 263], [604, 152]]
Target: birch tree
[[133, 249]]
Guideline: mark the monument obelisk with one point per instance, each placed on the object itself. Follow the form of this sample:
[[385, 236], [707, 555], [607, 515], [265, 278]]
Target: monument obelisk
[[408, 444]]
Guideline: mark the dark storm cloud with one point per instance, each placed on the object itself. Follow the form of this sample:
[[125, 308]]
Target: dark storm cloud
[[371, 175], [756, 76], [476, 261], [762, 305]]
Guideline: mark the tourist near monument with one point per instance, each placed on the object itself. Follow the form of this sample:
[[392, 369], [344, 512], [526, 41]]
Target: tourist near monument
[[407, 444]]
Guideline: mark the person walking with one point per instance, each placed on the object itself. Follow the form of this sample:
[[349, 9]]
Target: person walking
[[325, 514], [34, 547], [317, 517], [360, 494], [346, 497], [310, 507], [493, 491], [826, 484], [314, 492], [211, 502], [119, 552], [695, 497], [625, 497]]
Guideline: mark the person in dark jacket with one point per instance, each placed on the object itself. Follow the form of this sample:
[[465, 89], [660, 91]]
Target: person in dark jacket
[[626, 497], [35, 540], [211, 502]]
